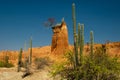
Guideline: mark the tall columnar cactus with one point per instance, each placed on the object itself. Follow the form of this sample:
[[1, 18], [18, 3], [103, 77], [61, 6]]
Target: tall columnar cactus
[[75, 36], [91, 43], [76, 50], [25, 47], [81, 40], [6, 58], [74, 19], [19, 60], [30, 56], [79, 33]]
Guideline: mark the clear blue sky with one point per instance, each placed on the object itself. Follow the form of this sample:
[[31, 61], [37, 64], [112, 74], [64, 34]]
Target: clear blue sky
[[19, 19]]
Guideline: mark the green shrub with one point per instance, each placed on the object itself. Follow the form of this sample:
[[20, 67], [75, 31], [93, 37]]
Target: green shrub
[[2, 64], [100, 67], [57, 69], [7, 65]]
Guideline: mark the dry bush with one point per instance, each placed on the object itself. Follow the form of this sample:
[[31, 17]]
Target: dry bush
[[41, 62]]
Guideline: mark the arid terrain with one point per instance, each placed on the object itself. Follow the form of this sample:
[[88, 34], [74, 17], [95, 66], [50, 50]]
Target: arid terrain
[[43, 52]]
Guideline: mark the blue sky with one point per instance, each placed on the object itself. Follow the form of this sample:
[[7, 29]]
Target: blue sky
[[20, 19]]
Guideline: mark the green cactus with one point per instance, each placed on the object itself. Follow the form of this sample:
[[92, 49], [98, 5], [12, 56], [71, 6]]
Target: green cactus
[[74, 19], [20, 60], [76, 50], [75, 36], [30, 51], [79, 33], [81, 40], [25, 47], [6, 59], [91, 43]]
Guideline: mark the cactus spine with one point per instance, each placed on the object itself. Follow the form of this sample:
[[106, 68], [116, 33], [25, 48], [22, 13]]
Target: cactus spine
[[19, 59], [91, 43], [75, 35], [30, 51]]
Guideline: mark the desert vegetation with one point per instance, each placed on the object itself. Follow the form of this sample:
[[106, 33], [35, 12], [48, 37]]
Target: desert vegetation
[[6, 63], [62, 61], [97, 65]]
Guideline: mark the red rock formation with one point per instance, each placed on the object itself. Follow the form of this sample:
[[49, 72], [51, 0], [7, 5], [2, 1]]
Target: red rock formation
[[60, 39]]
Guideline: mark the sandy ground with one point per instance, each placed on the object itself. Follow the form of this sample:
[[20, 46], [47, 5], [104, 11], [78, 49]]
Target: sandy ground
[[12, 74]]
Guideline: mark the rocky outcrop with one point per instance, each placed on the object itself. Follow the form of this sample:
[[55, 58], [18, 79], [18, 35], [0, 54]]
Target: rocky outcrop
[[60, 42]]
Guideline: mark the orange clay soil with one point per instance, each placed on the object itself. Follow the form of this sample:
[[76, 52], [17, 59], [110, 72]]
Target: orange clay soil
[[112, 48]]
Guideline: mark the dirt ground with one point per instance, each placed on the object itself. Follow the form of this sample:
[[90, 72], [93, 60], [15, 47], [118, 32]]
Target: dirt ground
[[12, 74]]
